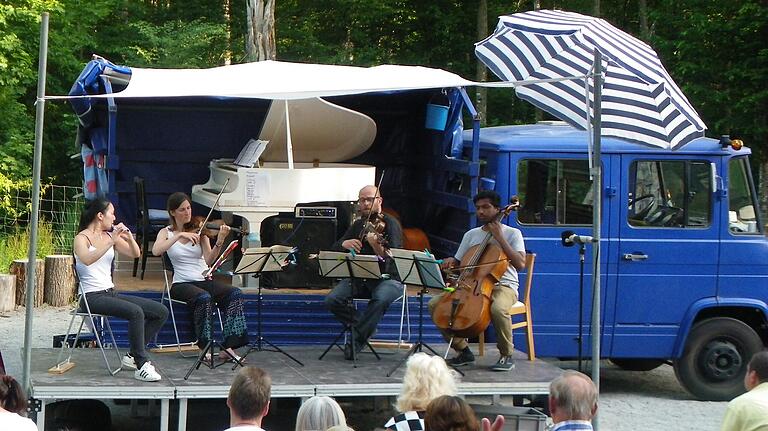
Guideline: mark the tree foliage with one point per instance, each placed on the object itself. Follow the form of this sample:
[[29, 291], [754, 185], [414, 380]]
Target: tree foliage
[[715, 50]]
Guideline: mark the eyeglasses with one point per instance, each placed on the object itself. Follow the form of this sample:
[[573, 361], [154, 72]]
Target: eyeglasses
[[368, 200]]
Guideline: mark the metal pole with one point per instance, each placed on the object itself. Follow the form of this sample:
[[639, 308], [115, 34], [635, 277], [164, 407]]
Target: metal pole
[[597, 192], [35, 195]]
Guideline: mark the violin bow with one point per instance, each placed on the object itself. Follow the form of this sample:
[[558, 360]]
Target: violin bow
[[216, 202]]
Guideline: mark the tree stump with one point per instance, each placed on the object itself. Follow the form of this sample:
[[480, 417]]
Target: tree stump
[[7, 292], [59, 280], [19, 268]]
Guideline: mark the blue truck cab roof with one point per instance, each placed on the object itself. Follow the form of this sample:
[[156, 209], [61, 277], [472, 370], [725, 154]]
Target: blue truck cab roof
[[561, 137]]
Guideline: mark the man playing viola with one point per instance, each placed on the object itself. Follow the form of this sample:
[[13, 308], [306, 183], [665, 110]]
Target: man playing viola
[[510, 240], [381, 292]]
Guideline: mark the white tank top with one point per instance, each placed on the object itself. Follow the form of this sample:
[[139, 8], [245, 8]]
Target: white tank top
[[187, 260], [97, 276]]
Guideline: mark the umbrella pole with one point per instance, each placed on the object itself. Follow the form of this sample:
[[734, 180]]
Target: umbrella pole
[[288, 143], [597, 183], [35, 195]]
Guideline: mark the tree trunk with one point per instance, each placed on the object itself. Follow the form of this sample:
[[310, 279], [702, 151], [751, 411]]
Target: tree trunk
[[642, 8], [59, 280], [19, 268], [7, 292], [260, 34], [481, 93], [596, 8]]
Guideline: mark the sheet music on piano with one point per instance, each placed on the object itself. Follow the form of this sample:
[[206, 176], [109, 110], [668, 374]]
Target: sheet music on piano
[[249, 155]]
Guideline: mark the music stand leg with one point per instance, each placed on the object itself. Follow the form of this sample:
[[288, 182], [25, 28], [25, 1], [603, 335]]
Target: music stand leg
[[258, 345], [208, 349], [420, 344], [349, 328]]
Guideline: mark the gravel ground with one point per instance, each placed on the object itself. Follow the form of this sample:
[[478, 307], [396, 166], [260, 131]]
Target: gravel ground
[[628, 400]]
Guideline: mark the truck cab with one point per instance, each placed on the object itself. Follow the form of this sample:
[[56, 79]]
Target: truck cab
[[684, 254]]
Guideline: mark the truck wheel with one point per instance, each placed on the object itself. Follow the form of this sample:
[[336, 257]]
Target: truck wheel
[[715, 358], [637, 364]]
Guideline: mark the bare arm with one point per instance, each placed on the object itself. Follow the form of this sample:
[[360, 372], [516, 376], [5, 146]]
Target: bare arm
[[86, 256], [211, 253], [124, 241]]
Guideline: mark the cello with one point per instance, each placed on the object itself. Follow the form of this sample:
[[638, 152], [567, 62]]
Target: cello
[[466, 312]]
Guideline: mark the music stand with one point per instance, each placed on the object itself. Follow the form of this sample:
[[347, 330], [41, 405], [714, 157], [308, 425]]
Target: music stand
[[256, 261], [208, 349], [353, 266], [418, 268]]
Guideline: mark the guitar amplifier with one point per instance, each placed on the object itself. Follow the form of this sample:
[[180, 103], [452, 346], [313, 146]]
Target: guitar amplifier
[[309, 235]]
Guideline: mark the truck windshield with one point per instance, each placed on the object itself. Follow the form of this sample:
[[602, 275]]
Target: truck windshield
[[742, 217], [670, 193]]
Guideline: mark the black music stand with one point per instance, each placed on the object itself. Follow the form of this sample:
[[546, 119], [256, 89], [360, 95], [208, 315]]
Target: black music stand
[[257, 261], [355, 267], [419, 269]]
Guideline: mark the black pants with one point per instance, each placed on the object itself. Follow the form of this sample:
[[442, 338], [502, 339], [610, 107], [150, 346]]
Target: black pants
[[145, 317], [200, 296]]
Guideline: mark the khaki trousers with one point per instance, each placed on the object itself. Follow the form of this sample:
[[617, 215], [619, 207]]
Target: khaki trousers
[[502, 299]]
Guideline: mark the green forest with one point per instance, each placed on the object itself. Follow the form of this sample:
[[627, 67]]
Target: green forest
[[715, 50]]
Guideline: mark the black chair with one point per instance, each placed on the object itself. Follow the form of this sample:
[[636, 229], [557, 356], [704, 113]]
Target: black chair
[[148, 224]]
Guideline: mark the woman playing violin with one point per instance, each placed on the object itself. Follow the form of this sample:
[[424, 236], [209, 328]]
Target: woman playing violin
[[510, 240], [190, 254], [363, 237]]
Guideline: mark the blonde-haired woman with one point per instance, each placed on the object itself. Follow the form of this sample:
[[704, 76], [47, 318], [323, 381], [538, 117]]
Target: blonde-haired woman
[[426, 378], [320, 414]]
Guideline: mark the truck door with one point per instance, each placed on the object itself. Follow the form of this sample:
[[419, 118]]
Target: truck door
[[668, 250]]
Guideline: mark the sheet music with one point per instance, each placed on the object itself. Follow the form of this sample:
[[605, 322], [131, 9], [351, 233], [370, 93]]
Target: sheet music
[[334, 264], [257, 188], [249, 155], [264, 259], [406, 261]]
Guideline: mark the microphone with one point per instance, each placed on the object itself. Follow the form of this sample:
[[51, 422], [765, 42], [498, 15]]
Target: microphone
[[214, 226], [569, 238]]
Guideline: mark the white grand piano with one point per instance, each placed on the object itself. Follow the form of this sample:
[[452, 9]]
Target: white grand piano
[[300, 166]]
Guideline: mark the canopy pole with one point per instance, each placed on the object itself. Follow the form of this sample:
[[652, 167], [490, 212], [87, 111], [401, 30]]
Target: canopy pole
[[35, 195], [597, 192], [288, 143]]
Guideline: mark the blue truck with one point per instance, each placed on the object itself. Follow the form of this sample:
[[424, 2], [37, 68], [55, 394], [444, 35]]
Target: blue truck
[[684, 267]]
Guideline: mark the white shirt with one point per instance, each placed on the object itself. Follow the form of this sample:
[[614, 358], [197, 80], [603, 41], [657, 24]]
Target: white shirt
[[97, 276], [187, 260], [12, 421], [513, 236]]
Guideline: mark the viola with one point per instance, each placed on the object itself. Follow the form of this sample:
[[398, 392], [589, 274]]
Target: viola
[[376, 225], [466, 312]]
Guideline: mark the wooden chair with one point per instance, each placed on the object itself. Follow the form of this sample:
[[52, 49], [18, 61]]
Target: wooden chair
[[149, 222], [521, 308]]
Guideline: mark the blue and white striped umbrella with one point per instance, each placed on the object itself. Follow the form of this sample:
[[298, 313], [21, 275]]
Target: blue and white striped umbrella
[[640, 101]]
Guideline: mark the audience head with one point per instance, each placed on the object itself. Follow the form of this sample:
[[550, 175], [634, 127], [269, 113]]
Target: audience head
[[426, 378], [12, 397], [249, 395], [572, 396], [98, 210], [450, 413], [757, 370], [320, 414]]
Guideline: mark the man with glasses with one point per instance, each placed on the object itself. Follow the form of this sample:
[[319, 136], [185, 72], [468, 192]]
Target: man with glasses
[[381, 292]]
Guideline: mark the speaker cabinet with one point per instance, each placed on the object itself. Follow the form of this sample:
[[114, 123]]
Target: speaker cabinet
[[309, 235]]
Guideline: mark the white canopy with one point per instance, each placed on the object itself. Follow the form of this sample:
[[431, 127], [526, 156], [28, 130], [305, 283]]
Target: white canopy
[[284, 80]]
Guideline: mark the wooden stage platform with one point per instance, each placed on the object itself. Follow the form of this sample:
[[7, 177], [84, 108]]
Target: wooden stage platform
[[333, 376]]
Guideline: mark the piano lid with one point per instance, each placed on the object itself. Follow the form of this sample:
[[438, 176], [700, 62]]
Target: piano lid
[[320, 130]]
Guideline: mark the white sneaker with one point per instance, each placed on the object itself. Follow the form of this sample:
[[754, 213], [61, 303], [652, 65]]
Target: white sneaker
[[146, 373], [128, 362]]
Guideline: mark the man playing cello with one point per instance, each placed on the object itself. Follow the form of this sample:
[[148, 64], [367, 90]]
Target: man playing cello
[[510, 240]]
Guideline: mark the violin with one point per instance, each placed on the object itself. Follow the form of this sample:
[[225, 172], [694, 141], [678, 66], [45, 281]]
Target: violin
[[466, 312], [211, 228], [376, 225]]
